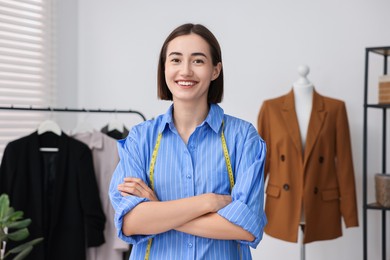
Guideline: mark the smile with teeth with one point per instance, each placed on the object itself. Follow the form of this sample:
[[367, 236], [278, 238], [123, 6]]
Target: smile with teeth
[[186, 83]]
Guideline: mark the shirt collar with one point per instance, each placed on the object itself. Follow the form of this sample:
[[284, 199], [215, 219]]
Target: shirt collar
[[213, 119], [167, 119]]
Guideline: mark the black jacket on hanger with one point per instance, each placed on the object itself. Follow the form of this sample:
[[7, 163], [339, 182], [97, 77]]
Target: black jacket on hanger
[[115, 133], [60, 196]]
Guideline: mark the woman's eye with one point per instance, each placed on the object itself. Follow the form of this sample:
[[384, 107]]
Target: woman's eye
[[198, 61], [175, 60]]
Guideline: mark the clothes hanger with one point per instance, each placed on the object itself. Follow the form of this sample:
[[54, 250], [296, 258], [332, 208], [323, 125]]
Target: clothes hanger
[[49, 126], [115, 125], [115, 129], [48, 132], [83, 126]]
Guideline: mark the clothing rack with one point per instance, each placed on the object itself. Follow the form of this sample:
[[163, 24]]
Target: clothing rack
[[77, 110]]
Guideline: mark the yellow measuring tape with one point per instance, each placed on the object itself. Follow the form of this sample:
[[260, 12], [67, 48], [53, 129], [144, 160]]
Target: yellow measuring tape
[[151, 174], [227, 158]]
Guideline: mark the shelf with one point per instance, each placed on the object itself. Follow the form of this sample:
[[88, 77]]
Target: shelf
[[378, 105], [385, 51], [376, 206]]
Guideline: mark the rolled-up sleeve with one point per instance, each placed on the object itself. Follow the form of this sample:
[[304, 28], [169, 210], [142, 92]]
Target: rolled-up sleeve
[[247, 207], [129, 164]]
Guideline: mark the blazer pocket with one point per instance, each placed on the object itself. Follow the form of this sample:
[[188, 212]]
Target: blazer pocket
[[330, 195], [273, 191]]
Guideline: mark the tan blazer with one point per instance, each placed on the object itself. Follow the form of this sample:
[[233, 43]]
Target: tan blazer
[[321, 179]]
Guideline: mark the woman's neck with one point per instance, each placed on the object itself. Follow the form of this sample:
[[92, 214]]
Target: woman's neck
[[187, 117]]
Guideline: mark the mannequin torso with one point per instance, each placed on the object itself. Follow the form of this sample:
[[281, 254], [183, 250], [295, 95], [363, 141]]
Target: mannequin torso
[[303, 95]]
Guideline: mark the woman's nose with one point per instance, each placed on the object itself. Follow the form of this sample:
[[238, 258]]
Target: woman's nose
[[186, 69]]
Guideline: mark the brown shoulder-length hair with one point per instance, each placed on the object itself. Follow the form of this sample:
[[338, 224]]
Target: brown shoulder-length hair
[[216, 86]]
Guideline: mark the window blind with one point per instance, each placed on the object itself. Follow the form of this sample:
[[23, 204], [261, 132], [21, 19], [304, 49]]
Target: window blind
[[26, 62]]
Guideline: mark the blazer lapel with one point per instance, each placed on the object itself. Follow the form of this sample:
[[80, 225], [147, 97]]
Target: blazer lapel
[[291, 121], [318, 115]]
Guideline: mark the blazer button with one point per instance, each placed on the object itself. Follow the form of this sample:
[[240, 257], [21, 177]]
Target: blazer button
[[315, 190], [286, 187], [321, 159], [282, 158]]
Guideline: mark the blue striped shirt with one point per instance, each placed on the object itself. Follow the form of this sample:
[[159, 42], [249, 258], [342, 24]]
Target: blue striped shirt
[[199, 167]]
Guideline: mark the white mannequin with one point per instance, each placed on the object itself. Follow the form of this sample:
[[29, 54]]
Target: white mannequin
[[303, 95]]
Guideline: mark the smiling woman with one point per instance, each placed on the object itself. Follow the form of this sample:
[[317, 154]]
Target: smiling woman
[[189, 70], [189, 184]]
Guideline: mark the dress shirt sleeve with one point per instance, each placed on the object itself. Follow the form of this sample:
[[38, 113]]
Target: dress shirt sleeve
[[130, 164], [263, 127], [246, 209]]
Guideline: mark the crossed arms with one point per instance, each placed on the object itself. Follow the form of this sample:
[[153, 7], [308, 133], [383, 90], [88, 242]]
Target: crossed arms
[[194, 215]]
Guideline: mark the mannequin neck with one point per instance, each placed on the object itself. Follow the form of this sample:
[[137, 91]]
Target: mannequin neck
[[303, 89], [303, 92], [303, 99]]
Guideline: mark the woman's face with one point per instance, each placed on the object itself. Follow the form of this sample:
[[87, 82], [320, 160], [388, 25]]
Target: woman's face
[[189, 68]]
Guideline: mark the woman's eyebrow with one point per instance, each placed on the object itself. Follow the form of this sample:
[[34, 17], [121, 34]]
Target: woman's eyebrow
[[199, 54], [175, 53], [192, 54]]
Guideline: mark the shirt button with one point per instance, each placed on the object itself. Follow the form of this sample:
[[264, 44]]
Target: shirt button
[[190, 245], [282, 157], [188, 176], [286, 187]]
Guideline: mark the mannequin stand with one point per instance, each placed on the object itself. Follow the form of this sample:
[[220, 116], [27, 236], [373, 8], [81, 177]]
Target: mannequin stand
[[303, 255]]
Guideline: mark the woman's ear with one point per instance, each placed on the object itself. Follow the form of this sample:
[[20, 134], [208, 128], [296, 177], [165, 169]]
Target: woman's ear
[[217, 70]]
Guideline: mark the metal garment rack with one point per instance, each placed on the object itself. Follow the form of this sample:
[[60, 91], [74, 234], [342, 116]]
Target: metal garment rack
[[71, 110]]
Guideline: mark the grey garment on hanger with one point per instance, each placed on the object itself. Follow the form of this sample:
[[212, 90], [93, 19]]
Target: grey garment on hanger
[[105, 159]]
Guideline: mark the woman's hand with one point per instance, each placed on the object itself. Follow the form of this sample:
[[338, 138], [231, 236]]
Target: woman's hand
[[216, 201], [136, 187]]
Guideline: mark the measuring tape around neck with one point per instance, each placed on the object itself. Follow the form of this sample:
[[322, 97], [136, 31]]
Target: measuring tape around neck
[[153, 162]]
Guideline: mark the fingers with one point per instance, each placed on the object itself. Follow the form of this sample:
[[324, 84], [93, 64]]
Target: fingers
[[218, 201], [138, 181], [130, 189], [145, 189], [136, 187]]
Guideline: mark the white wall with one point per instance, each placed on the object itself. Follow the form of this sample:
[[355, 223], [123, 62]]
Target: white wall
[[66, 57], [263, 43]]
